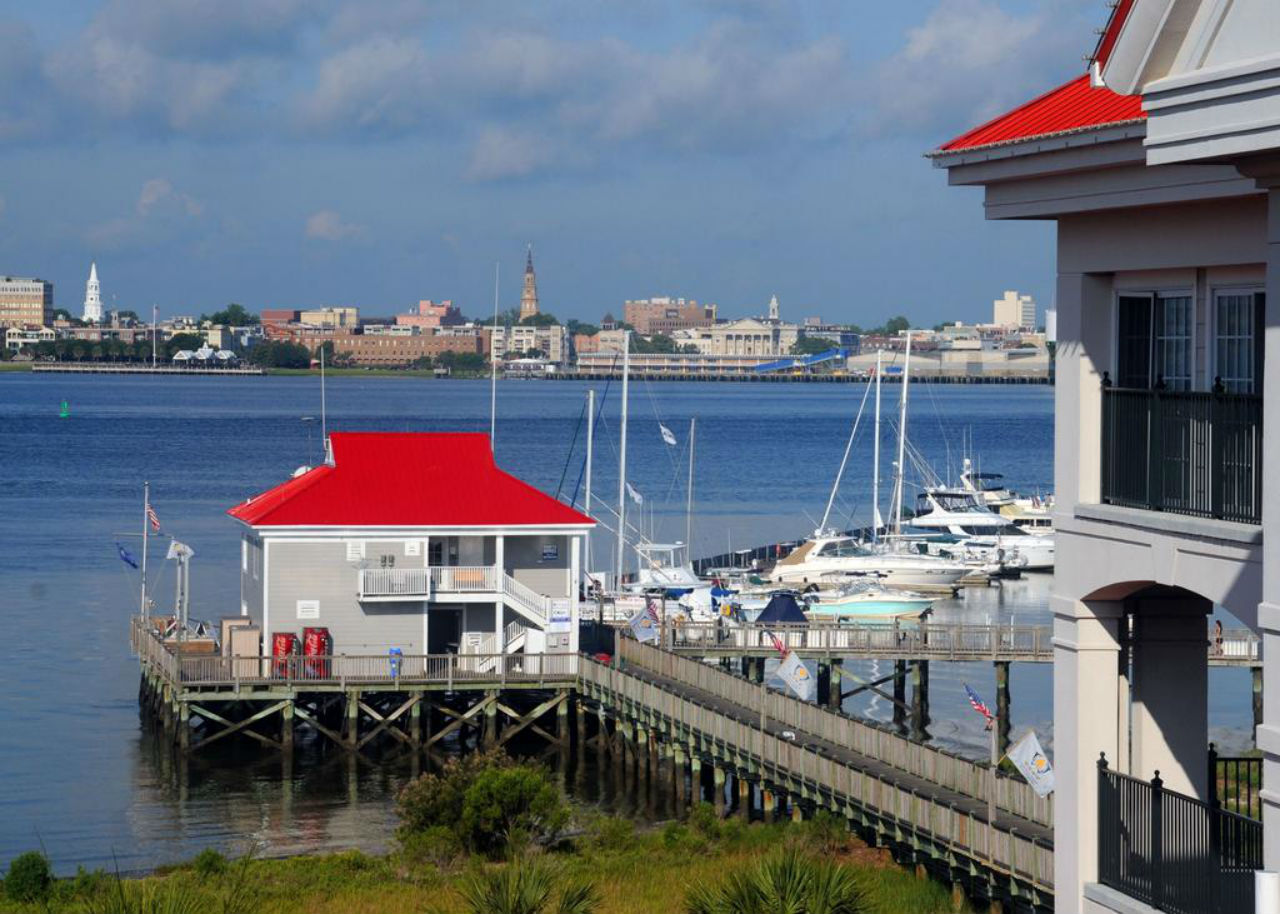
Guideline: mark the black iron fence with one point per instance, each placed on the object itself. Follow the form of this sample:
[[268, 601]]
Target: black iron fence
[[1183, 452], [1235, 784], [1171, 851]]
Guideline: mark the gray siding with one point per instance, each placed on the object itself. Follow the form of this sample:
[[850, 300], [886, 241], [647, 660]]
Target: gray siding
[[321, 571], [522, 556], [251, 577]]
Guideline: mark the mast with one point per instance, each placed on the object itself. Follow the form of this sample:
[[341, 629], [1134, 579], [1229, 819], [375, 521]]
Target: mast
[[622, 457], [875, 463], [688, 507], [146, 533], [591, 439], [493, 363], [324, 419], [153, 336], [902, 437]]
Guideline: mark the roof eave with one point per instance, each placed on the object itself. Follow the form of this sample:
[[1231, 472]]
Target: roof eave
[[1091, 135]]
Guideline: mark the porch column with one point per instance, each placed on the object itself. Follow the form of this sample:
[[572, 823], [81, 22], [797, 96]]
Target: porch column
[[1267, 737], [1170, 713], [499, 556], [499, 561], [1086, 722], [1083, 354], [575, 583]]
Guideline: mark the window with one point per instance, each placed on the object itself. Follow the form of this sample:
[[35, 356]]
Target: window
[[1238, 321], [1154, 341], [435, 553]]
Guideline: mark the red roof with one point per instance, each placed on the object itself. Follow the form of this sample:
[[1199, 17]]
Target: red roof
[[406, 480], [1070, 108]]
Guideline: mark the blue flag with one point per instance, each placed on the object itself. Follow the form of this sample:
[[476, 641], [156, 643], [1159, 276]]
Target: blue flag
[[126, 556]]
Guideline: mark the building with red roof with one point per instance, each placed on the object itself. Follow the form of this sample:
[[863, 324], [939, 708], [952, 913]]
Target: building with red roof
[[1160, 169], [417, 542]]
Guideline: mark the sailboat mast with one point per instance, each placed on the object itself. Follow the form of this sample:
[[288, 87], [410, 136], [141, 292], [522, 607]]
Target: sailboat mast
[[591, 440], [875, 463], [902, 437], [324, 413], [146, 534], [622, 457], [688, 505], [493, 364]]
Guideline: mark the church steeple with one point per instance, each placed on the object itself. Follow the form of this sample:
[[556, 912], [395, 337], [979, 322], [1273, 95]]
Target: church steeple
[[529, 296], [92, 297]]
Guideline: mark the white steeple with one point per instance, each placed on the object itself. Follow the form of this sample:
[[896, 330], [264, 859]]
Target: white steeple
[[92, 297], [773, 308]]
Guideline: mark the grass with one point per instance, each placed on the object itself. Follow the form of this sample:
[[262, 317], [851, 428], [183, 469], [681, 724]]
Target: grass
[[15, 366], [634, 872]]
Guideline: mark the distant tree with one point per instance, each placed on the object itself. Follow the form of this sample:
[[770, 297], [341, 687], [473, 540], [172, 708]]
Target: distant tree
[[129, 316], [811, 345], [280, 354], [422, 363], [181, 341], [462, 362], [233, 315], [689, 349], [507, 318], [576, 326], [541, 319], [896, 325], [62, 314], [658, 342]]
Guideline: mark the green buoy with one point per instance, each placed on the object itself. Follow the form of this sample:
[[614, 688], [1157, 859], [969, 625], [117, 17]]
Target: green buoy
[[65, 411]]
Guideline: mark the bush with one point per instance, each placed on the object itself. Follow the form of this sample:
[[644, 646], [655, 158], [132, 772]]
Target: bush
[[789, 881], [825, 832], [437, 847], [527, 888], [704, 821], [209, 864], [510, 805], [613, 833], [29, 877], [435, 800]]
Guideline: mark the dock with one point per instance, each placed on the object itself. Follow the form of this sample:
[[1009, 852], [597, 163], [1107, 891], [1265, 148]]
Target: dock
[[108, 368]]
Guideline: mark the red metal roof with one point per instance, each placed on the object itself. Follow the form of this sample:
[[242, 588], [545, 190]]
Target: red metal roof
[[1072, 107], [406, 480]]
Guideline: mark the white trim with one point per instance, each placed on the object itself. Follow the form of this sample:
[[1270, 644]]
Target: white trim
[[266, 598], [394, 532]]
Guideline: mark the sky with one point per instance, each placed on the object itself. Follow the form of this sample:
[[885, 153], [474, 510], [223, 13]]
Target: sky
[[287, 153]]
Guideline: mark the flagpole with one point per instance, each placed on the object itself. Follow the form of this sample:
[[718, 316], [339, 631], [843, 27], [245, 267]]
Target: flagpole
[[146, 530], [991, 791], [875, 464], [493, 363], [688, 509], [591, 438], [622, 457], [324, 417]]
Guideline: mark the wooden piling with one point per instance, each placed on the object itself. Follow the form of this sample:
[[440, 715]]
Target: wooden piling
[[286, 727], [899, 692], [695, 777], [744, 798], [835, 686], [677, 773], [1002, 705], [351, 722], [717, 781]]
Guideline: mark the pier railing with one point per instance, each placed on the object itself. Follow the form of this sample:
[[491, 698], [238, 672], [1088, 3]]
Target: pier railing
[[945, 769]]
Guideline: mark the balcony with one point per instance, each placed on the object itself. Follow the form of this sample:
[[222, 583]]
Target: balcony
[[394, 584], [1192, 453]]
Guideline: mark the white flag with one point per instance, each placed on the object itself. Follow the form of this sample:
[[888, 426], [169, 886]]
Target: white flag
[[1030, 759], [667, 435], [796, 675], [179, 550], [643, 627], [635, 496]]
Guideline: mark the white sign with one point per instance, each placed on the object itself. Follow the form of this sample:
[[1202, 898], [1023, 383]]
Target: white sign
[[643, 627], [308, 609], [796, 675], [355, 551], [1030, 759], [413, 548], [560, 619]]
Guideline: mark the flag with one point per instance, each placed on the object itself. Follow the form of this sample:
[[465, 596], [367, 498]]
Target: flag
[[179, 550], [126, 556], [635, 496], [668, 436], [796, 675], [978, 704], [777, 644], [651, 610], [643, 627], [1030, 759], [153, 518]]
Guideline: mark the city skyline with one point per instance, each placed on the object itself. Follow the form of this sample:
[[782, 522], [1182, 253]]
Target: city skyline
[[724, 152]]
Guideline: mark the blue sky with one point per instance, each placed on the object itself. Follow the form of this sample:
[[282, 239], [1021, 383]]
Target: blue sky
[[282, 153]]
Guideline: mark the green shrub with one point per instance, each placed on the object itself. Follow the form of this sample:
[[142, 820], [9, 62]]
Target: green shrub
[[437, 846], [788, 881], [209, 864], [29, 877], [509, 805], [613, 833], [825, 832], [527, 887], [436, 799], [704, 821]]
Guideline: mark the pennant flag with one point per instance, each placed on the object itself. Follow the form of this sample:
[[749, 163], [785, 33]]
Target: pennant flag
[[643, 627], [978, 704], [126, 556], [153, 518], [667, 435], [635, 496], [179, 550], [1030, 759], [796, 675]]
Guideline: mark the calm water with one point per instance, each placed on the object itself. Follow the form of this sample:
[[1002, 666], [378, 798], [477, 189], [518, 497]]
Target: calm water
[[82, 777]]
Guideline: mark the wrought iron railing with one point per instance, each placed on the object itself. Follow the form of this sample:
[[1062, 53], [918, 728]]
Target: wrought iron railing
[[1183, 452], [1235, 783], [1174, 852]]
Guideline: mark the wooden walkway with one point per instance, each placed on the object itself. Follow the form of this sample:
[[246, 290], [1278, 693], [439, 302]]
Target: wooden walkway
[[928, 804]]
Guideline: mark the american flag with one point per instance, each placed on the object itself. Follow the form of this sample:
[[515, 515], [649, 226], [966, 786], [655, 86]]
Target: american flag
[[651, 609], [777, 644], [153, 518], [978, 704]]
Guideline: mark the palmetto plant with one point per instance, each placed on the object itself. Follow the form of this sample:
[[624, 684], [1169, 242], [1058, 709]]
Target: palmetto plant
[[527, 887], [785, 883]]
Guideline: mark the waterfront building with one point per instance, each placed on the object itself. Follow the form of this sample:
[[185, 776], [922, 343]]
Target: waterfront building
[[1014, 311], [666, 315], [92, 297], [345, 317], [432, 315], [413, 542], [551, 340], [25, 302], [19, 338], [749, 336], [391, 350], [529, 294], [1161, 168]]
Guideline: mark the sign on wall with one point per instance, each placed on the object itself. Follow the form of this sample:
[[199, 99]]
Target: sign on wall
[[560, 619], [308, 609], [413, 548], [550, 552], [355, 551]]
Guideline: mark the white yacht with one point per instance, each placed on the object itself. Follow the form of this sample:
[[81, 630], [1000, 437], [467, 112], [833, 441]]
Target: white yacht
[[1034, 514], [830, 560], [978, 529]]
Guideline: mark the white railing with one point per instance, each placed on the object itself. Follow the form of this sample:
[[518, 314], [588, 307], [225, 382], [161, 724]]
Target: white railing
[[465, 579], [394, 582], [535, 603], [514, 630]]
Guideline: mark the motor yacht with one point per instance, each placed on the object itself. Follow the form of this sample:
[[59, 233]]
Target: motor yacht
[[978, 529], [831, 559]]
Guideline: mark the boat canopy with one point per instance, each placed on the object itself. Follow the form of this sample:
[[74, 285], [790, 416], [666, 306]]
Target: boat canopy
[[782, 608]]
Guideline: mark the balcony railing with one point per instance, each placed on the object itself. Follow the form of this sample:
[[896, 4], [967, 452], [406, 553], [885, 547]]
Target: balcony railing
[[394, 583], [465, 579], [1174, 852], [1198, 454]]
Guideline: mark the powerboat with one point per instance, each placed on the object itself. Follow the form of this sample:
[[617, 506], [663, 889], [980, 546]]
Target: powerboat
[[828, 560], [867, 603], [979, 530], [1034, 513]]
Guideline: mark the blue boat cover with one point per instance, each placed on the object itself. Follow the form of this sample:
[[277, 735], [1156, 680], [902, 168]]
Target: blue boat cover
[[782, 608]]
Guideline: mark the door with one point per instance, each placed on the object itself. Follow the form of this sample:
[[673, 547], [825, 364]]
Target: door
[[444, 629]]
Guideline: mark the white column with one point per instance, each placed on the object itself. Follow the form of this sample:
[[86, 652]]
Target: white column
[[1083, 354], [1170, 712], [499, 556], [1085, 721], [575, 582], [1268, 735]]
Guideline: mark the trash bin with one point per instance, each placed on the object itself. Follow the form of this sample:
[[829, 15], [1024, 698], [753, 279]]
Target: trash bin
[[396, 657]]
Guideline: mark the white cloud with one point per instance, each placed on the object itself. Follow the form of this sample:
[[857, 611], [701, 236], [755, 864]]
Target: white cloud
[[327, 225], [161, 213]]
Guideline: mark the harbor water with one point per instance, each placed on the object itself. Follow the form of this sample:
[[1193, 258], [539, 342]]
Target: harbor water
[[83, 778]]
